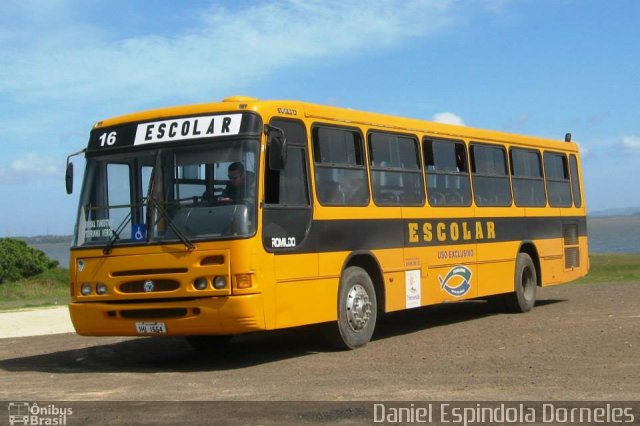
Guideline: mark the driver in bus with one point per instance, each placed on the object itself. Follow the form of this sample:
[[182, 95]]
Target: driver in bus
[[238, 188]]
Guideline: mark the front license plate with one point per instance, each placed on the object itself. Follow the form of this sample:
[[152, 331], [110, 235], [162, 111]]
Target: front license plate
[[151, 328]]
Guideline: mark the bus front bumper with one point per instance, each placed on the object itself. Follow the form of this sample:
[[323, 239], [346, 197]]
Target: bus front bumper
[[203, 316]]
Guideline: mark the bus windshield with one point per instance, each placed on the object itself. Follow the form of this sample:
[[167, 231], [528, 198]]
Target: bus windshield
[[185, 193]]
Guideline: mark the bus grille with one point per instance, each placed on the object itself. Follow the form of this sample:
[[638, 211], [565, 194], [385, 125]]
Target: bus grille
[[158, 285], [154, 313], [149, 272]]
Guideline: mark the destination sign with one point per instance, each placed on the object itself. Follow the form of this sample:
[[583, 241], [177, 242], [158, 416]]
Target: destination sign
[[188, 128], [174, 130]]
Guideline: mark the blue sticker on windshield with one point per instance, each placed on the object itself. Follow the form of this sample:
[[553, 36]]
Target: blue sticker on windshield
[[139, 232]]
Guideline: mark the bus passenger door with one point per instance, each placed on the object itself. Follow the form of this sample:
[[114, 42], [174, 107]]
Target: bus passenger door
[[287, 215]]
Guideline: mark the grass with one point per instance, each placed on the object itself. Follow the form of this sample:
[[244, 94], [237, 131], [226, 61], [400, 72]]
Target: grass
[[49, 288], [612, 268], [52, 287]]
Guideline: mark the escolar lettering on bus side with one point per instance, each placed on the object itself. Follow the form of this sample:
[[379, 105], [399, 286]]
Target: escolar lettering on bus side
[[451, 232]]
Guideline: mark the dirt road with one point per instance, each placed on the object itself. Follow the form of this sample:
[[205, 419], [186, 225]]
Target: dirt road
[[580, 342]]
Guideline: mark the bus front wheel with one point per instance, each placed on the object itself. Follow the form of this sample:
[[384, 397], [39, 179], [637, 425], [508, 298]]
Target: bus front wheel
[[526, 281], [357, 309]]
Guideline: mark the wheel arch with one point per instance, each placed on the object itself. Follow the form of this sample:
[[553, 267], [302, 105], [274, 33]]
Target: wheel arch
[[367, 261], [529, 248]]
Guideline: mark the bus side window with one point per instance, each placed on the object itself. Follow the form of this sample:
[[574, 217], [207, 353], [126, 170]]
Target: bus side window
[[447, 173], [287, 208], [289, 186], [557, 178], [340, 172], [396, 177], [491, 184], [527, 178]]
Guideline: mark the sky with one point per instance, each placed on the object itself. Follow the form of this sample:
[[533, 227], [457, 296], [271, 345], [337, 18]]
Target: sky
[[535, 67]]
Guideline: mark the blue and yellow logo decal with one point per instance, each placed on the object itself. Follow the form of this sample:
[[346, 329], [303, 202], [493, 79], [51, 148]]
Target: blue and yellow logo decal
[[457, 282]]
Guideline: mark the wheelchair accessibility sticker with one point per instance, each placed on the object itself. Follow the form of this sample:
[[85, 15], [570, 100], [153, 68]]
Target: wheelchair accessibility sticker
[[457, 282], [139, 232]]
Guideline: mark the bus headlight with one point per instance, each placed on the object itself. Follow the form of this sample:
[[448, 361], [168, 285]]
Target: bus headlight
[[200, 284], [86, 289], [101, 288], [220, 282]]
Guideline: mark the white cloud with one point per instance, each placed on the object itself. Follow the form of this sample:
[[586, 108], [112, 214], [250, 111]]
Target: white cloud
[[448, 118], [631, 144], [31, 167], [222, 49], [54, 53]]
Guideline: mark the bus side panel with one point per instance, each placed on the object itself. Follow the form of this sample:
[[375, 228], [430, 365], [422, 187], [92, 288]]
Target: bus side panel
[[447, 274], [290, 267], [306, 302], [551, 262], [301, 297], [560, 270], [392, 263], [409, 284], [496, 270], [396, 290]]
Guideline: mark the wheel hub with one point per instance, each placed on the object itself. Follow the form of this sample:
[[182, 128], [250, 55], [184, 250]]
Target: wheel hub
[[358, 307]]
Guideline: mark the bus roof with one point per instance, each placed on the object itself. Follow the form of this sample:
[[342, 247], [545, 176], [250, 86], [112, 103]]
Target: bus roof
[[337, 115]]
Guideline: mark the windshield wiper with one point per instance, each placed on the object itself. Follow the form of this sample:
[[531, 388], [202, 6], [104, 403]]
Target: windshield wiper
[[153, 203], [188, 244], [115, 235]]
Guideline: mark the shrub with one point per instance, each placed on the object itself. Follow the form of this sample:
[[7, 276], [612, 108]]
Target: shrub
[[18, 260]]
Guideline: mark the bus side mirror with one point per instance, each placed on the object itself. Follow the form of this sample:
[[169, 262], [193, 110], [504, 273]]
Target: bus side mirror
[[68, 177], [277, 144]]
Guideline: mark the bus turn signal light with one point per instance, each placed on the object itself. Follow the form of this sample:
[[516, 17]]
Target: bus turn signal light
[[243, 281]]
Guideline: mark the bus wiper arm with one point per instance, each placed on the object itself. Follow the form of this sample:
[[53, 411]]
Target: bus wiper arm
[[188, 244], [152, 203], [115, 235]]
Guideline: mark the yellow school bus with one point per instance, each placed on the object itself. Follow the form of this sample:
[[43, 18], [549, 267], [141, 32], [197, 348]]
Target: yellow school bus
[[216, 219]]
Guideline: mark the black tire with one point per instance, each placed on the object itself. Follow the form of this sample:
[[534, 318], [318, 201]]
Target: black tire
[[357, 309], [209, 343], [526, 281]]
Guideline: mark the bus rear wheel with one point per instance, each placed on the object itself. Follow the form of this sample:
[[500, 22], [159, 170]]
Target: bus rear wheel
[[526, 280], [357, 309]]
